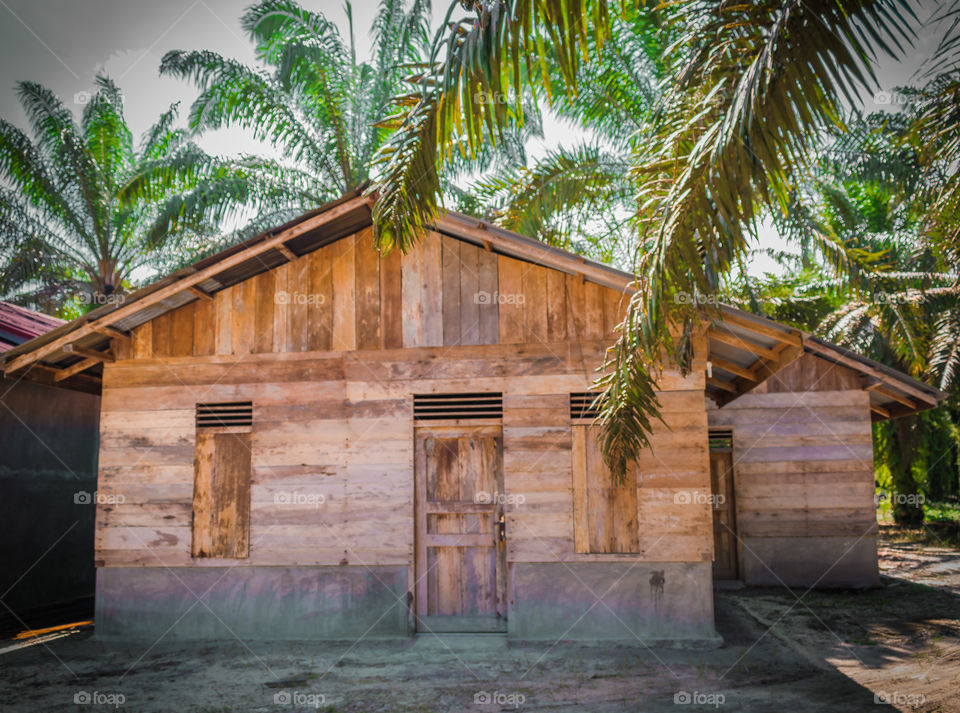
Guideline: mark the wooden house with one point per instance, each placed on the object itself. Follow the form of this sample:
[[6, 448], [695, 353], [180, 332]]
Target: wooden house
[[304, 439]]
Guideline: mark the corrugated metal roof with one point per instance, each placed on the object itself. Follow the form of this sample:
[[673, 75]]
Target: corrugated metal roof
[[19, 325]]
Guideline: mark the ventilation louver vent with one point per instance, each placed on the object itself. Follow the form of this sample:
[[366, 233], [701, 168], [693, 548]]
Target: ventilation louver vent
[[581, 405], [433, 407], [231, 413], [721, 440]]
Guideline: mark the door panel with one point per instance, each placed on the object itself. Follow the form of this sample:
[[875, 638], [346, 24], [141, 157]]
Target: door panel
[[724, 515], [459, 548]]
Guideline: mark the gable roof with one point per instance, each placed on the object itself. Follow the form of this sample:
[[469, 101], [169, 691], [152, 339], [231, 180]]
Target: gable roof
[[79, 345], [742, 343], [19, 325], [744, 349]]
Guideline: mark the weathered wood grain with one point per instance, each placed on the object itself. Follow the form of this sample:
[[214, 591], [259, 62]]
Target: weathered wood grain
[[431, 294], [223, 325], [488, 310], [264, 313], [221, 496], [469, 301], [368, 292], [803, 461], [451, 290], [509, 298], [204, 331], [297, 296], [391, 300], [344, 294]]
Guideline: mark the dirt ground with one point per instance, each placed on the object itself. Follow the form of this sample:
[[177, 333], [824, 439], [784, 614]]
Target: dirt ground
[[783, 651]]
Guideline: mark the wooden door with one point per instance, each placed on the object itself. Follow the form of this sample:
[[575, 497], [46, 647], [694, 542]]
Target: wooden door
[[724, 515], [460, 533]]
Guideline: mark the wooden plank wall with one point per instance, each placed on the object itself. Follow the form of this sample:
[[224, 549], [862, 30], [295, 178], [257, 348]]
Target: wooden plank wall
[[811, 373], [331, 377], [803, 462], [344, 297], [538, 465]]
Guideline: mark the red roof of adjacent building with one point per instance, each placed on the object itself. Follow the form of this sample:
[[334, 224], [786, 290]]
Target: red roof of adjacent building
[[19, 325]]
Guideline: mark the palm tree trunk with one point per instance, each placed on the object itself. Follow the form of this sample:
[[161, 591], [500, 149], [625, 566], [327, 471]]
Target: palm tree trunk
[[904, 444]]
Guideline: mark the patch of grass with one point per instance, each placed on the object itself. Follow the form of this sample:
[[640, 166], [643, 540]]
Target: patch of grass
[[944, 519], [932, 534], [946, 511], [941, 527]]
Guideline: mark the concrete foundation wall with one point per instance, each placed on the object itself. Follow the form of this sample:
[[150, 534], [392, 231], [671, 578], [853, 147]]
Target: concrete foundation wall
[[665, 602], [811, 561], [296, 603], [48, 462], [627, 601]]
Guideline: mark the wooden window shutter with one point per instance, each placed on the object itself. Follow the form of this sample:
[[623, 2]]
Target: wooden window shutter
[[604, 511], [221, 488]]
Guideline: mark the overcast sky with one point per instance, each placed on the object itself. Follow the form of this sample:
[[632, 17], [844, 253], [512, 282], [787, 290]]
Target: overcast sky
[[62, 44]]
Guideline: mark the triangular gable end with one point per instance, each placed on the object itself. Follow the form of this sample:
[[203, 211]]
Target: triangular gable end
[[343, 296]]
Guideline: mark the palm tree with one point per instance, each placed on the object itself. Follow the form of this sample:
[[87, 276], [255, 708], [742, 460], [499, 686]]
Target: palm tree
[[83, 207], [315, 103], [580, 196], [576, 197], [748, 89], [901, 307], [934, 133]]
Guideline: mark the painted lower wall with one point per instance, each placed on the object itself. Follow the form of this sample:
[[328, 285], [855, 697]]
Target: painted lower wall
[[811, 561], [259, 603], [597, 601], [628, 602]]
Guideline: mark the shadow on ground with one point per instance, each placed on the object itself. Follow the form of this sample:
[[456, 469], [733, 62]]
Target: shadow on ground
[[783, 650]]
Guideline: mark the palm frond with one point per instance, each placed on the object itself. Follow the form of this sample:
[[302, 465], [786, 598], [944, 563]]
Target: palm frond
[[107, 138], [584, 180], [946, 58], [159, 138], [945, 349], [226, 190], [617, 86], [25, 168], [58, 139], [275, 25], [232, 93], [470, 88], [743, 76]]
